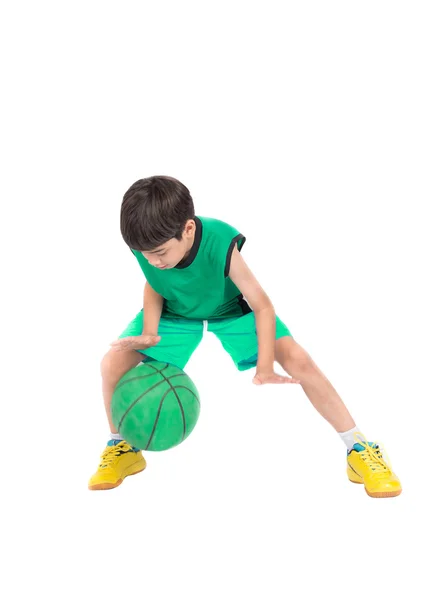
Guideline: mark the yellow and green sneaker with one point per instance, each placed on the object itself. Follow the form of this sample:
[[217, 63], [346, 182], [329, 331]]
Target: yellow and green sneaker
[[367, 465], [118, 460]]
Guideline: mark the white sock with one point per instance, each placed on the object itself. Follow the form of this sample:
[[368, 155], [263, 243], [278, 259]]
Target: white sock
[[116, 436], [348, 437]]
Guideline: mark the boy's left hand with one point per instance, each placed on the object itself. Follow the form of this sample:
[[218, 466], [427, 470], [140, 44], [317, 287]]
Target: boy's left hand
[[262, 377], [136, 342]]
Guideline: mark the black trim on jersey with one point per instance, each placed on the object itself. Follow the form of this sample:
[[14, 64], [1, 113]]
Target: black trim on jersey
[[238, 238], [194, 249], [246, 308]]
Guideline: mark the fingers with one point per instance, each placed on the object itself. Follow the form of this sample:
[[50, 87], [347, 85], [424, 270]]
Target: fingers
[[274, 379], [288, 379], [117, 345], [285, 380], [140, 342], [122, 344]]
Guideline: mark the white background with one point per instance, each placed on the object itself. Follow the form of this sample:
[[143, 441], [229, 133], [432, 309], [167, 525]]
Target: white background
[[312, 127]]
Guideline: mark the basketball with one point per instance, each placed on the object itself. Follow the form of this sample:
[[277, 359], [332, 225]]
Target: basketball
[[155, 406]]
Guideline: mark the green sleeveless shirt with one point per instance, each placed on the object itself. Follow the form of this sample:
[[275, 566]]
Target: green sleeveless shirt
[[199, 286]]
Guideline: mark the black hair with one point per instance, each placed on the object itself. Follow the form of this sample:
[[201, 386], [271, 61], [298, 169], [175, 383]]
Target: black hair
[[155, 210]]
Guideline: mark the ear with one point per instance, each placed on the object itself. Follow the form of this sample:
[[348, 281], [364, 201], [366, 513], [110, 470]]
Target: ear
[[190, 227]]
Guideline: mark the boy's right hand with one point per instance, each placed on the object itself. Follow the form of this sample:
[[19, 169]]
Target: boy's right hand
[[139, 342]]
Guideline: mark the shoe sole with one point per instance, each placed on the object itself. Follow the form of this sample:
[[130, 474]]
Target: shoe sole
[[110, 486], [383, 494], [376, 494]]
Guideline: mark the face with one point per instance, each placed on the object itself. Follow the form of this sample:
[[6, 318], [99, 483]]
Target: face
[[168, 255]]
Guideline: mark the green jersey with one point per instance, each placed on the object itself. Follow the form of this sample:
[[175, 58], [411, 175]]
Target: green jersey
[[199, 287]]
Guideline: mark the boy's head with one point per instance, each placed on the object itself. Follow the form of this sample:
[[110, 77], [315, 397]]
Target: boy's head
[[157, 219]]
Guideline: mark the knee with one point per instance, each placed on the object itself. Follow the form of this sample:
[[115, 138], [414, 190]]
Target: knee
[[300, 361], [111, 365], [107, 364]]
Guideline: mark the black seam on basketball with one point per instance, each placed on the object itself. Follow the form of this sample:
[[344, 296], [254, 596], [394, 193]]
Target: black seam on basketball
[[182, 411], [136, 401], [133, 379], [189, 390], [120, 384], [167, 379], [152, 388], [172, 388], [158, 370], [181, 386], [157, 418]]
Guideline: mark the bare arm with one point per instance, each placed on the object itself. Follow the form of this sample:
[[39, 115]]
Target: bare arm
[[152, 309], [153, 303], [262, 307], [265, 317]]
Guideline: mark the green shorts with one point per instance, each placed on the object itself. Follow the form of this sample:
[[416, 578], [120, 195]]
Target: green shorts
[[180, 338]]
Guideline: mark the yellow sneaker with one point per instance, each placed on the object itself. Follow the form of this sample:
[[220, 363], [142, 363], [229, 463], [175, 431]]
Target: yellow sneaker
[[367, 465], [118, 460]]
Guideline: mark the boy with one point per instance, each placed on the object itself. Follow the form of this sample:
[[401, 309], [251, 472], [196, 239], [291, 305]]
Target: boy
[[195, 276]]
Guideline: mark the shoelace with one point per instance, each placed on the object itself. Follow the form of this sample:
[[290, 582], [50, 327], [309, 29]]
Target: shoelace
[[112, 452], [373, 457]]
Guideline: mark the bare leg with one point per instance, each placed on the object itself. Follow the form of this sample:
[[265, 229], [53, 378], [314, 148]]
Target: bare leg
[[297, 363], [114, 365]]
